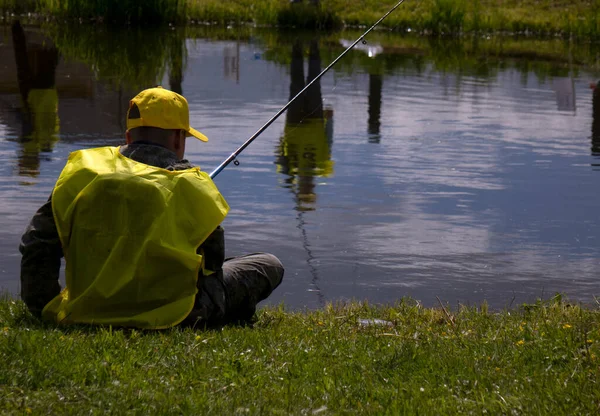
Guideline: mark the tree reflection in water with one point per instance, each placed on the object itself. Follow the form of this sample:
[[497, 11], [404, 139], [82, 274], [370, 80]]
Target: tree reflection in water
[[36, 72]]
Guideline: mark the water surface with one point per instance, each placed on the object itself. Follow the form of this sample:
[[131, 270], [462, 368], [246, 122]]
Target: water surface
[[467, 171]]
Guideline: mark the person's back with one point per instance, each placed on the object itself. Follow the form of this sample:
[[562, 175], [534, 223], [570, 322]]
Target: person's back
[[138, 225]]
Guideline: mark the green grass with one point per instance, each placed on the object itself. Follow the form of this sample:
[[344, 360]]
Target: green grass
[[579, 18], [544, 17], [537, 359]]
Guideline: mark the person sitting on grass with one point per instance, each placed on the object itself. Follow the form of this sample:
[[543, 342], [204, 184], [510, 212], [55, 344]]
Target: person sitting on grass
[[139, 228]]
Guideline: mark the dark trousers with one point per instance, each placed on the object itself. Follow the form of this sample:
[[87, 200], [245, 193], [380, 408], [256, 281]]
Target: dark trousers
[[231, 294]]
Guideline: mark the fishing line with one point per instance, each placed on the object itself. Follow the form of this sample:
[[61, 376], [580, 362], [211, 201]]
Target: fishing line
[[232, 157], [311, 258]]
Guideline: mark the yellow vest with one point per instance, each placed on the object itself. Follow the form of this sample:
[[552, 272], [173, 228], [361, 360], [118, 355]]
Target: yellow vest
[[129, 233]]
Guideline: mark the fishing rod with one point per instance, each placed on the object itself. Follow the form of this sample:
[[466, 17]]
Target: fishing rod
[[233, 156]]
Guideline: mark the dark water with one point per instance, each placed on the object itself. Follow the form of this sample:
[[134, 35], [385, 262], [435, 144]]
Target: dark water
[[465, 170]]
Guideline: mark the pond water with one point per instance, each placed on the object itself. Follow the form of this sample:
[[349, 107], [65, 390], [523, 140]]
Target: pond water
[[465, 170]]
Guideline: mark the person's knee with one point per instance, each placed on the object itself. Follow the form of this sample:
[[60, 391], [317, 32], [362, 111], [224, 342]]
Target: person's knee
[[273, 260], [263, 265], [276, 269]]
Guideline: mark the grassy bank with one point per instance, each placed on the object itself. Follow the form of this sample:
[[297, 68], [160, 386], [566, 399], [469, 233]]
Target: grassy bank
[[538, 359], [579, 17]]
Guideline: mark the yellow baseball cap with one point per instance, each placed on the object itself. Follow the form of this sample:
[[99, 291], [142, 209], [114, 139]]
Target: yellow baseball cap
[[159, 107]]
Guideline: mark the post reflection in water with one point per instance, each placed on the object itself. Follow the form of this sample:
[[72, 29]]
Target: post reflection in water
[[36, 72], [596, 120], [177, 63], [304, 150], [375, 87]]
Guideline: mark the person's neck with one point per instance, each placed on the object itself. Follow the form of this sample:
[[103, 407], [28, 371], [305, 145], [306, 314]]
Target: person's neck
[[150, 143]]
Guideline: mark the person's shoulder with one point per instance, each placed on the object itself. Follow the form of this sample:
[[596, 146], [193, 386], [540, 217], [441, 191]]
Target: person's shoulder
[[182, 164]]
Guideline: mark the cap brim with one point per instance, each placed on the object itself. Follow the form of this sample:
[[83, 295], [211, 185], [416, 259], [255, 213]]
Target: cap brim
[[195, 133]]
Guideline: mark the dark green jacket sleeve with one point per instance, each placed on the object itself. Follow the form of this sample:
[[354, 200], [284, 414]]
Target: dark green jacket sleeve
[[213, 249], [40, 265]]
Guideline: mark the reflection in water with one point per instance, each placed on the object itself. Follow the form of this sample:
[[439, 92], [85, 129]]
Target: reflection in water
[[177, 63], [596, 120], [565, 94], [36, 72], [372, 50], [231, 62], [375, 68], [304, 150], [137, 59], [375, 87], [82, 77]]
